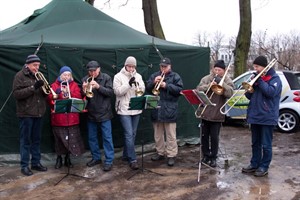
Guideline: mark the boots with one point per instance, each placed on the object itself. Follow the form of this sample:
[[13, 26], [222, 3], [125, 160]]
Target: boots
[[68, 161], [58, 162]]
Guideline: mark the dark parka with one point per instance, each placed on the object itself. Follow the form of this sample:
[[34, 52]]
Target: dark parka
[[99, 107], [29, 101], [168, 103]]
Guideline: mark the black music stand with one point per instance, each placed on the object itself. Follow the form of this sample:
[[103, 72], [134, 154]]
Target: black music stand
[[143, 103], [72, 105], [195, 97]]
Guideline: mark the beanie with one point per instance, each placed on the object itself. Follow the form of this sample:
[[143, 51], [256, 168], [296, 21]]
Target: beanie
[[220, 63], [32, 58], [65, 69], [92, 65], [130, 61], [261, 61]]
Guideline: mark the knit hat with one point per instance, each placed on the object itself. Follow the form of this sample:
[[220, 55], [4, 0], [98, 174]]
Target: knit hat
[[92, 65], [220, 64], [165, 62], [130, 61], [65, 69], [261, 61], [32, 58]]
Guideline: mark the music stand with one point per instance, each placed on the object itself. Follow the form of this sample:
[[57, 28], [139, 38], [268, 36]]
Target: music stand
[[143, 103], [72, 105], [195, 97]]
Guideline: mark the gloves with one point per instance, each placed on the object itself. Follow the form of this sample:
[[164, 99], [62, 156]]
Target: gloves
[[38, 84], [131, 81], [217, 79], [58, 91]]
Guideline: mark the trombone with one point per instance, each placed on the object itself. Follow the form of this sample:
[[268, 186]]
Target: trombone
[[88, 90], [64, 85], [155, 90], [46, 87], [247, 87]]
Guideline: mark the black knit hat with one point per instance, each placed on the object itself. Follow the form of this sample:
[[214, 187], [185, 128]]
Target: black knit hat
[[261, 61], [32, 58], [220, 63], [92, 65]]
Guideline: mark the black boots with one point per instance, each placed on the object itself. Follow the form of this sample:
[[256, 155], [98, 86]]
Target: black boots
[[68, 161], [58, 162]]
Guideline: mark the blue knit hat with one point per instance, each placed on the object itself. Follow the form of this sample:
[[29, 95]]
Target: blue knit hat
[[32, 58], [65, 69]]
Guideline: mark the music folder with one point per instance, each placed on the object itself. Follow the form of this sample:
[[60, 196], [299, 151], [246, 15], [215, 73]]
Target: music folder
[[70, 105], [143, 102], [195, 97]]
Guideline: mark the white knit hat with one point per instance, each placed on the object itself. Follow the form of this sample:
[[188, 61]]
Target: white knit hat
[[130, 61]]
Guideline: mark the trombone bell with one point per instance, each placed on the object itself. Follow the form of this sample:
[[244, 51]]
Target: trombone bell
[[218, 89]]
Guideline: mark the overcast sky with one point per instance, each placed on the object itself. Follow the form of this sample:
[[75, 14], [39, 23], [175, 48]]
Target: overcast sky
[[181, 21]]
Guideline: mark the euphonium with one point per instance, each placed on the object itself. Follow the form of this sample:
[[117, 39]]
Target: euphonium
[[46, 87], [88, 91], [64, 85], [155, 90]]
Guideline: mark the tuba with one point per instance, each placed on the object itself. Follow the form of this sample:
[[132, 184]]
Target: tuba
[[155, 90], [88, 90], [46, 87]]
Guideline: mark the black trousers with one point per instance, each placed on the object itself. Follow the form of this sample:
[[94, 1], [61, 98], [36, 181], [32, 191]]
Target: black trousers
[[210, 138]]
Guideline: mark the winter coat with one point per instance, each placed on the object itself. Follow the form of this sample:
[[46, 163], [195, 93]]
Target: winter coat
[[212, 113], [263, 107], [29, 101], [167, 110], [64, 119], [124, 91], [99, 107]]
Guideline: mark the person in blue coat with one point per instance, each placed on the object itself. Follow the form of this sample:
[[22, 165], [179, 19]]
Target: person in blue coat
[[262, 115]]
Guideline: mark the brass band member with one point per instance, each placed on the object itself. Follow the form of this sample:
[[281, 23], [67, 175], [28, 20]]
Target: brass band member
[[31, 106], [126, 84], [211, 117], [65, 126], [99, 114], [164, 118]]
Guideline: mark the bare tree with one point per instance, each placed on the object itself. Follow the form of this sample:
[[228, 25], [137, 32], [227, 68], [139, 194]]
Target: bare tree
[[216, 44], [243, 38]]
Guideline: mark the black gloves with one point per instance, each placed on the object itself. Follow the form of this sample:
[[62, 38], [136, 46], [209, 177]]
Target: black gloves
[[132, 81], [38, 84], [217, 79]]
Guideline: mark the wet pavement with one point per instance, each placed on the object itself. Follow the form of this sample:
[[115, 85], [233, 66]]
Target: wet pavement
[[158, 181]]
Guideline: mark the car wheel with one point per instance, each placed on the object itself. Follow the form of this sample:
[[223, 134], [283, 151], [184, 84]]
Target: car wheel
[[288, 121]]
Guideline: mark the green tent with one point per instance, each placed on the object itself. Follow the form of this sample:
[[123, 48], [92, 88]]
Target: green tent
[[72, 33]]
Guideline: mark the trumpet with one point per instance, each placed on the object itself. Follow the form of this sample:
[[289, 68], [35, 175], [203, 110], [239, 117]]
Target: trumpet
[[155, 90], [64, 85], [88, 90], [138, 91], [247, 87], [46, 87]]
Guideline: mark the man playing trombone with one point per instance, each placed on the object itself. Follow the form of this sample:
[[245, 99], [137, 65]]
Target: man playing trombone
[[262, 114], [218, 86], [31, 106]]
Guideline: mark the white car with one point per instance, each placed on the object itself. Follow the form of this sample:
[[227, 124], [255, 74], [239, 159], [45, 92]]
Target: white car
[[289, 108]]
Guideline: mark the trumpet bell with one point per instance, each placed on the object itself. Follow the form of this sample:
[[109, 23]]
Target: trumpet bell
[[218, 89], [139, 93], [155, 92], [89, 94]]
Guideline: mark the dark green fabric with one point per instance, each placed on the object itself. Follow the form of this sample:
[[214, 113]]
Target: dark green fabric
[[73, 33]]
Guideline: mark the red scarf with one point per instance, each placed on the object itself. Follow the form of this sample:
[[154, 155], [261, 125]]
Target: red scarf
[[266, 78]]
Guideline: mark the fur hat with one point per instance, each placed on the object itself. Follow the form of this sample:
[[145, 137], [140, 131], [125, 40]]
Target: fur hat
[[92, 65], [32, 58], [220, 64], [130, 61], [261, 61], [65, 69]]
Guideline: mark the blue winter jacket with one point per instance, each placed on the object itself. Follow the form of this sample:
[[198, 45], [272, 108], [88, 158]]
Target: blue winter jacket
[[264, 102]]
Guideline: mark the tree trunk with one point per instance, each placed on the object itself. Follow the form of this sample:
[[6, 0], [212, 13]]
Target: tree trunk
[[151, 19], [244, 38]]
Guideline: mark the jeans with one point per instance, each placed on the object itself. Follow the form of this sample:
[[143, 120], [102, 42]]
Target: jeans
[[30, 138], [262, 136], [130, 124], [106, 138], [210, 138]]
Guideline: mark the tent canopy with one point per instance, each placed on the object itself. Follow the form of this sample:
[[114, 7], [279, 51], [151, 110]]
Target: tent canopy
[[72, 33]]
